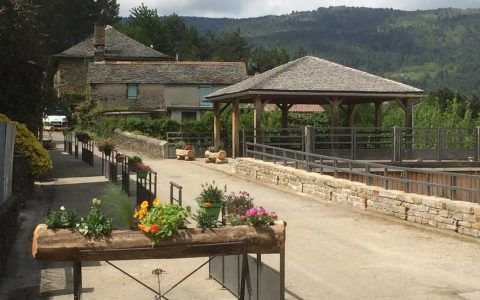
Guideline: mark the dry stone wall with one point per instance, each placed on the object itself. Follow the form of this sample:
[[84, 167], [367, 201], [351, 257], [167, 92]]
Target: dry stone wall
[[459, 216], [144, 145]]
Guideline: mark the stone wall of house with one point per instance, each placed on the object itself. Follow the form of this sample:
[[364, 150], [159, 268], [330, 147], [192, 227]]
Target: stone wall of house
[[71, 76], [149, 96], [144, 145], [458, 216]]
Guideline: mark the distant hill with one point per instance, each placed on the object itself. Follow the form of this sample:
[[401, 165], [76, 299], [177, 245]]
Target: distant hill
[[428, 49]]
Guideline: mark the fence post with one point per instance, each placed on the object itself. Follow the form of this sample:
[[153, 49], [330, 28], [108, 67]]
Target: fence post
[[397, 144], [309, 139], [477, 144], [354, 144], [244, 147]]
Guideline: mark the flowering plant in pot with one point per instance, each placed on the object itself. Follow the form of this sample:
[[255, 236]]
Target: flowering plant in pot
[[210, 200], [236, 207], [142, 170], [161, 221], [133, 161], [107, 145], [258, 216], [120, 158]]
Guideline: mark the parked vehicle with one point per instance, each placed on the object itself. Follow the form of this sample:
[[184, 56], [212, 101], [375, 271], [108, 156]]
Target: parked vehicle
[[55, 119]]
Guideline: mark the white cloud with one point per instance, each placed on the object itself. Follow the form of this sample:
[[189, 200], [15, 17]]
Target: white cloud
[[254, 8]]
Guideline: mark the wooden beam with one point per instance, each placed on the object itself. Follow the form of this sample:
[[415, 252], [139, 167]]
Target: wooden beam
[[216, 123], [352, 108], [65, 245], [235, 129], [224, 107], [401, 104]]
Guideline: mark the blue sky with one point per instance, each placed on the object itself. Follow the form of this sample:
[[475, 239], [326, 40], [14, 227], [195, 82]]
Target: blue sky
[[255, 8]]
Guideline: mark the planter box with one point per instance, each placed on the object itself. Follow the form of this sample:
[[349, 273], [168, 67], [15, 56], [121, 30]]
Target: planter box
[[64, 245]]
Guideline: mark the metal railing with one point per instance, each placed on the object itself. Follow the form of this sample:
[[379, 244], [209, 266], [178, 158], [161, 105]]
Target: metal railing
[[178, 187], [87, 152], [147, 187], [449, 185]]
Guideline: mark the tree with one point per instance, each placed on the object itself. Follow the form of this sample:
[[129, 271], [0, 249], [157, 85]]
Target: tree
[[21, 75], [67, 22], [263, 59], [231, 46]]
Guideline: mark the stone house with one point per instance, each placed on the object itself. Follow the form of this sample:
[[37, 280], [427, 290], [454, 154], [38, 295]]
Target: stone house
[[70, 67], [174, 88]]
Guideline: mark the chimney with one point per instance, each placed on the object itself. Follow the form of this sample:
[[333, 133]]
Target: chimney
[[99, 43]]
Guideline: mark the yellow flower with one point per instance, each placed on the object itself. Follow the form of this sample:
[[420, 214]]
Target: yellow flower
[[156, 202], [144, 204]]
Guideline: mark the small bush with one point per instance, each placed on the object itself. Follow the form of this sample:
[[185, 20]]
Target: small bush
[[57, 219], [38, 159]]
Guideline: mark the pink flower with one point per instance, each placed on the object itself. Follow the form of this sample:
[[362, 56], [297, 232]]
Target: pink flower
[[261, 211], [274, 215], [252, 212], [242, 217]]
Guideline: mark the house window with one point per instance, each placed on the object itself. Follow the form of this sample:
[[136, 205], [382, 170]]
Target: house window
[[189, 116], [132, 91], [204, 91]]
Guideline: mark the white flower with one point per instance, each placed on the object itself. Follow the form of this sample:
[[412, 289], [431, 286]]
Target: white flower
[[62, 207]]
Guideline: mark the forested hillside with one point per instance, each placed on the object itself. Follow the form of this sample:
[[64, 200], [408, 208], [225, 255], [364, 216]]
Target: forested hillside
[[429, 49]]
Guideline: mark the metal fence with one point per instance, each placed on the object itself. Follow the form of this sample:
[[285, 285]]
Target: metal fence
[[87, 152], [147, 188], [449, 185]]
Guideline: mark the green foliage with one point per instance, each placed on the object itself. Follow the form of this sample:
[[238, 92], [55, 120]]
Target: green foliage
[[68, 22], [180, 145], [105, 126], [22, 97], [86, 115], [57, 219], [156, 128], [134, 160], [206, 221], [429, 49], [169, 217], [117, 206], [95, 223], [38, 159], [262, 59]]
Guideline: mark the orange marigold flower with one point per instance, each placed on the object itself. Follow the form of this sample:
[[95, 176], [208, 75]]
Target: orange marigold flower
[[154, 228], [156, 202], [144, 204]]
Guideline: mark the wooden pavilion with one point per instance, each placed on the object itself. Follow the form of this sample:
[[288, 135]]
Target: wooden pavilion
[[311, 80]]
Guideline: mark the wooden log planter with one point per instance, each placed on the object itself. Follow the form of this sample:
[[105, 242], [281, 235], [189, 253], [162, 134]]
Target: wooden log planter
[[216, 157], [65, 245], [185, 154]]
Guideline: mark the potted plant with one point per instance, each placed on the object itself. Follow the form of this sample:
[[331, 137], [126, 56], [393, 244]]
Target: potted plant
[[106, 146], [120, 158], [216, 154], [236, 207], [133, 161], [184, 151], [49, 144], [142, 170], [210, 200], [161, 221]]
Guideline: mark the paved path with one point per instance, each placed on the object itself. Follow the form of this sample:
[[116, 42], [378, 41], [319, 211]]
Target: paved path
[[337, 252], [333, 252]]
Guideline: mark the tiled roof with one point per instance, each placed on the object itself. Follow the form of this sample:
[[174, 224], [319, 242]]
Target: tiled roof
[[117, 46], [168, 72], [313, 74]]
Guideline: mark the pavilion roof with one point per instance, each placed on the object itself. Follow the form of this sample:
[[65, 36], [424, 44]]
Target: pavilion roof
[[312, 76]]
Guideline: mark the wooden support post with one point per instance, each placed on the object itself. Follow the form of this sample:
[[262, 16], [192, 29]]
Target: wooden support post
[[352, 108], [335, 103], [408, 113], [235, 129], [257, 119], [378, 113], [285, 108], [216, 124]]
